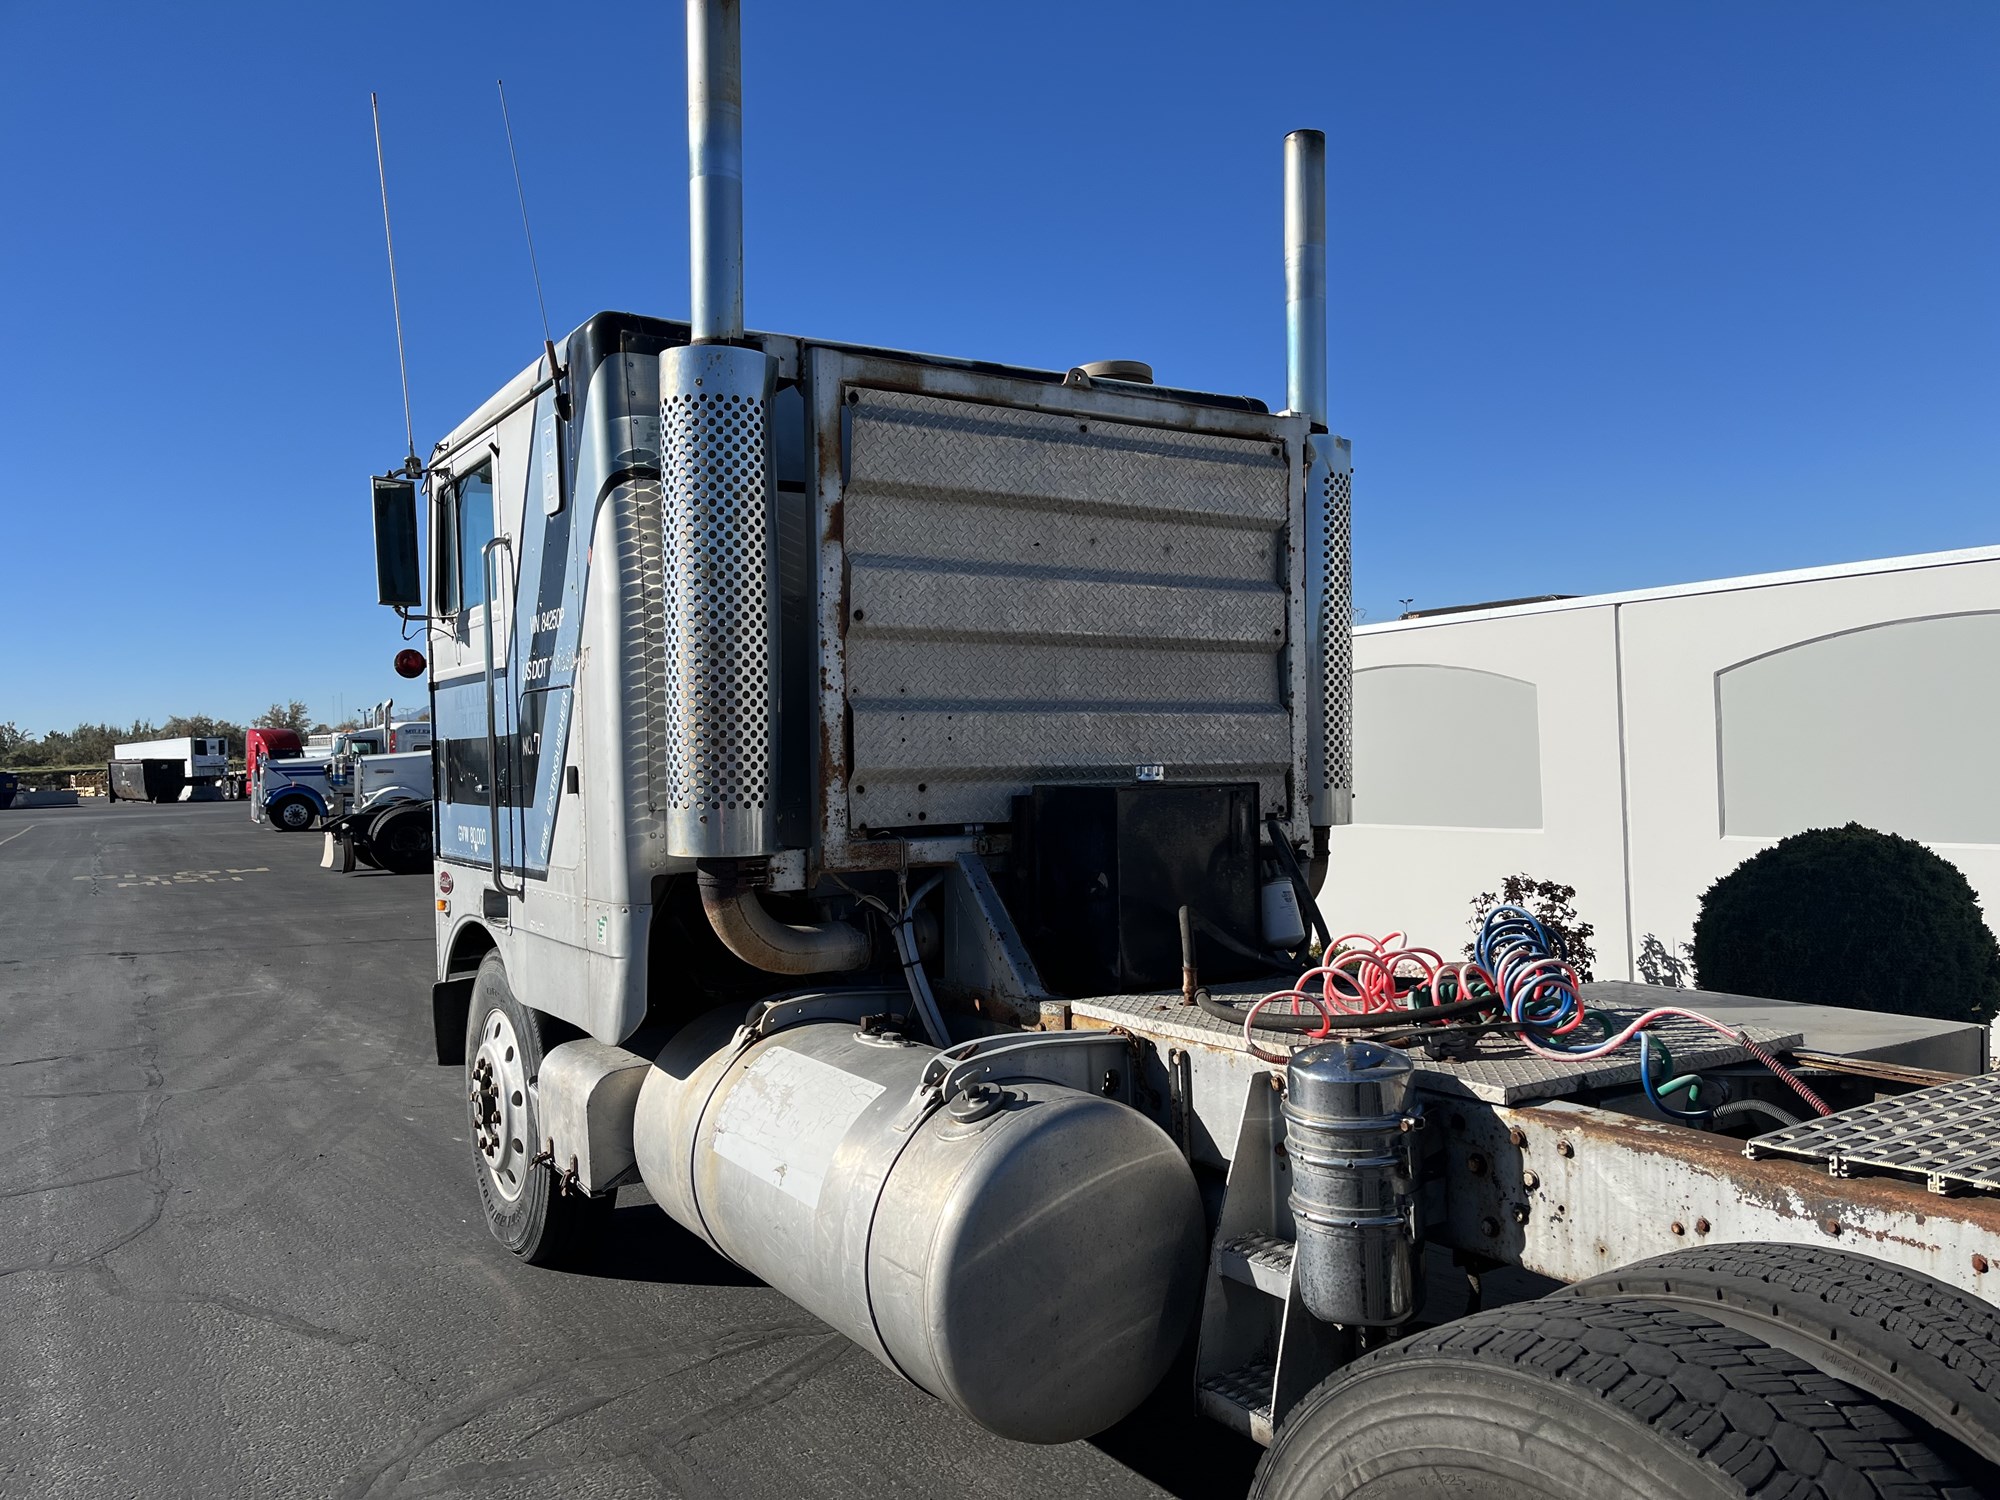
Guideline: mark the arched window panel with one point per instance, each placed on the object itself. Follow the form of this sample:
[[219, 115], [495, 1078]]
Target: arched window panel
[[1894, 726], [1446, 747]]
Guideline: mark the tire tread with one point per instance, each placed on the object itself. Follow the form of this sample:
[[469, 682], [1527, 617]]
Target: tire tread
[[1937, 1346], [1778, 1428]]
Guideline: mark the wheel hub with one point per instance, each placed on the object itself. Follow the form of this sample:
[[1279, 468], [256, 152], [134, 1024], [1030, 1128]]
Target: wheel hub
[[498, 1096]]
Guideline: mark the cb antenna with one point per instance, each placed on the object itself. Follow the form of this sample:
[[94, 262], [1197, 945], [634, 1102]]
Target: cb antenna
[[534, 267], [411, 466]]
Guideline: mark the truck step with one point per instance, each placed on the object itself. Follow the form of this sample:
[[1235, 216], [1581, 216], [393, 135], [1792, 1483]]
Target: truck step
[[1241, 1399], [1260, 1260]]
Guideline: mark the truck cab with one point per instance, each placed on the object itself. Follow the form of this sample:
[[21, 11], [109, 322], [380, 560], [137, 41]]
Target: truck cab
[[862, 782]]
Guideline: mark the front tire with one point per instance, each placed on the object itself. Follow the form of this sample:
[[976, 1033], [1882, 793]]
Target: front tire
[[525, 1210], [292, 815], [1570, 1399]]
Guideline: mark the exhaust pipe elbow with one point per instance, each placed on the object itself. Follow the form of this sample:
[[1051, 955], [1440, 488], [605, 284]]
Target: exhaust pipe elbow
[[738, 915]]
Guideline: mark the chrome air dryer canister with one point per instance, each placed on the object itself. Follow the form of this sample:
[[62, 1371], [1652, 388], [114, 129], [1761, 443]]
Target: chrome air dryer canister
[[1349, 1126], [1029, 1253]]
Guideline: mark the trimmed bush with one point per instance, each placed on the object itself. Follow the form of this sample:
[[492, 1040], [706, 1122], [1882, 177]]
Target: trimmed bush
[[1849, 916]]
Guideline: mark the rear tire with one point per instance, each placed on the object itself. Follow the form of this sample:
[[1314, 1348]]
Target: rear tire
[[1572, 1399], [1901, 1336], [400, 839], [292, 815], [504, 1046]]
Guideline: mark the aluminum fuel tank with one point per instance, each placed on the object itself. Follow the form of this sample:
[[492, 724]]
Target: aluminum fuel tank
[[1027, 1252]]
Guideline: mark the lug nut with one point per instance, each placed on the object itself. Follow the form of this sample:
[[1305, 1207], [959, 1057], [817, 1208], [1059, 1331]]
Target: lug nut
[[1476, 1164], [1530, 1181], [1701, 1226], [1516, 1136], [1981, 1265], [1489, 1226], [1564, 1148], [1677, 1227], [1519, 1213]]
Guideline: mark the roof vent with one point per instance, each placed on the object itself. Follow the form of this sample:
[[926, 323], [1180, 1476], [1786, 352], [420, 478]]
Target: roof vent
[[1136, 371]]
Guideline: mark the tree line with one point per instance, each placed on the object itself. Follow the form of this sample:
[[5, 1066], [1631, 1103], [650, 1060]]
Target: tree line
[[91, 744]]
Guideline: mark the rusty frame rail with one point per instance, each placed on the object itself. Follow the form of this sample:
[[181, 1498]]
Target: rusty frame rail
[[1568, 1191]]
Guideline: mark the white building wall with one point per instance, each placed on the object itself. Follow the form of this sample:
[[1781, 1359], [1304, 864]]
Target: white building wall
[[1404, 866], [1869, 693], [1864, 751]]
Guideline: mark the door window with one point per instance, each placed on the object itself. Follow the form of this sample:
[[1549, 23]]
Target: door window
[[465, 526]]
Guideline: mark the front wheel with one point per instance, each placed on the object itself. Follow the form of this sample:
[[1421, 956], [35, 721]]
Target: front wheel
[[525, 1208], [292, 815], [1568, 1399]]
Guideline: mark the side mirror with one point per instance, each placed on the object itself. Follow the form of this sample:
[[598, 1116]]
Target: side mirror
[[398, 578]]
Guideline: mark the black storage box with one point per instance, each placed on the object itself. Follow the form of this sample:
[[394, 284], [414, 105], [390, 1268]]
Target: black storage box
[[1101, 872], [146, 780]]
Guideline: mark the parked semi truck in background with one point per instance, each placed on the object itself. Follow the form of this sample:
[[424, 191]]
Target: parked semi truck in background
[[382, 817], [314, 783], [860, 776]]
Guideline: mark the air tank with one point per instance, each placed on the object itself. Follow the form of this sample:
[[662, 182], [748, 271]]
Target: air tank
[[1028, 1253], [1349, 1123]]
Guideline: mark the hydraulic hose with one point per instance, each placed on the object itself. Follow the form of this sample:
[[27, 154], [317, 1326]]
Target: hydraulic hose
[[1282, 962], [748, 930], [1739, 1107], [1320, 1023]]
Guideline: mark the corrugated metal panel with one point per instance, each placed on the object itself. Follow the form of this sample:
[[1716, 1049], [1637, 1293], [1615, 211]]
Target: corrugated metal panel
[[1033, 597]]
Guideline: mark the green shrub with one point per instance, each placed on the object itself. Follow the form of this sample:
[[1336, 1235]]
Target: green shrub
[[1849, 916]]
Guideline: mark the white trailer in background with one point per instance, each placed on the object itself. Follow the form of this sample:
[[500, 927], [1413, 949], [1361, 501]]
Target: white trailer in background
[[1639, 746], [204, 761]]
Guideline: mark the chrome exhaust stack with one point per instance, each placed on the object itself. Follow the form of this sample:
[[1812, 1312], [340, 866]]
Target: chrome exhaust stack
[[715, 168], [1305, 274], [1329, 567], [720, 511], [720, 522]]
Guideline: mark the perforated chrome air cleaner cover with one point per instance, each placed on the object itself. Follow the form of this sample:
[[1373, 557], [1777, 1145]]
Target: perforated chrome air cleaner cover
[[1330, 627], [720, 542]]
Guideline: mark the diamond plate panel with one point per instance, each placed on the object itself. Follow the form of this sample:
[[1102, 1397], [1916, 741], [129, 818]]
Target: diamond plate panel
[[1502, 1072], [1249, 1387], [1035, 597], [1948, 1135]]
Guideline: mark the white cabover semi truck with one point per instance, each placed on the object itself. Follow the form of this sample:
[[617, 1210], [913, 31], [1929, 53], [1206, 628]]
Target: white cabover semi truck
[[868, 784]]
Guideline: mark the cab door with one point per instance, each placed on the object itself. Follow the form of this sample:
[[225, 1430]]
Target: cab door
[[477, 545]]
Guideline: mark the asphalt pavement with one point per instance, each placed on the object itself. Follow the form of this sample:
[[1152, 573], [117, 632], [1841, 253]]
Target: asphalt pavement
[[241, 1251]]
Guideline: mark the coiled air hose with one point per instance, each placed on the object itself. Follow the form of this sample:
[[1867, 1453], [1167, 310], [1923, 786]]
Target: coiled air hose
[[1519, 980]]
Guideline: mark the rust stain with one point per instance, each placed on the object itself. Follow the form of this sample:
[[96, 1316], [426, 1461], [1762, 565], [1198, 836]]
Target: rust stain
[[1789, 1189]]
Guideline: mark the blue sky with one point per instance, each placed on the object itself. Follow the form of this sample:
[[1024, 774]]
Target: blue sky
[[1624, 294]]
